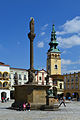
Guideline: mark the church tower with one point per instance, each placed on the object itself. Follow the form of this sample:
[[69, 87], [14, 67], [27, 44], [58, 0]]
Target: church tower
[[53, 56]]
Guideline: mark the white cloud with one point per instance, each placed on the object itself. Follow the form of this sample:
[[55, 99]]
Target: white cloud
[[43, 33], [60, 33], [66, 62], [69, 62], [44, 27], [40, 44], [71, 26], [64, 52], [70, 71], [64, 69], [76, 62], [69, 42], [18, 43]]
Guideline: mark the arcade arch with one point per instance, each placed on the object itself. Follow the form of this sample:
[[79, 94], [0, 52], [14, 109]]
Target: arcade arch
[[68, 95], [5, 84]]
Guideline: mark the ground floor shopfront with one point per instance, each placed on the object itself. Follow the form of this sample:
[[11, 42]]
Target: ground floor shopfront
[[72, 94], [4, 93]]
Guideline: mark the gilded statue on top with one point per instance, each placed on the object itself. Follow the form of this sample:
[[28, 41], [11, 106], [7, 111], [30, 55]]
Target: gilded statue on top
[[32, 25]]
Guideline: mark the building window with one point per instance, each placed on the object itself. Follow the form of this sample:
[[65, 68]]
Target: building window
[[72, 86], [5, 84], [16, 76], [45, 78], [60, 85], [64, 85], [76, 80], [20, 76], [0, 84], [76, 86], [19, 83], [64, 79], [56, 67], [0, 74], [9, 76], [68, 80], [5, 74], [39, 78], [24, 77], [72, 80], [55, 82], [68, 86]]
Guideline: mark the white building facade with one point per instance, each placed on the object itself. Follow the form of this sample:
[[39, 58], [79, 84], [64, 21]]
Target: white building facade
[[7, 80], [22, 75]]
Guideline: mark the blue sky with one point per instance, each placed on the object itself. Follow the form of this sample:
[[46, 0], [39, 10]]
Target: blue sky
[[14, 27]]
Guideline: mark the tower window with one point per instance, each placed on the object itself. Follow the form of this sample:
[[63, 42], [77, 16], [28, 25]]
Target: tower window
[[56, 67]]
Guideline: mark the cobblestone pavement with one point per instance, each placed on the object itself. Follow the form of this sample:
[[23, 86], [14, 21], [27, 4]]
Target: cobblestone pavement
[[70, 112]]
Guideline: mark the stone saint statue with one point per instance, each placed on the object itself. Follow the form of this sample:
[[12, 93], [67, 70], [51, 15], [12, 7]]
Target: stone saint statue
[[31, 77], [32, 25]]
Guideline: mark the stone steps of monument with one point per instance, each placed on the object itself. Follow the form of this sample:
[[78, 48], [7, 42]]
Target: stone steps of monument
[[44, 107]]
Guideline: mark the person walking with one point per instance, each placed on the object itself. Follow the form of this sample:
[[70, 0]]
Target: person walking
[[62, 102], [28, 106]]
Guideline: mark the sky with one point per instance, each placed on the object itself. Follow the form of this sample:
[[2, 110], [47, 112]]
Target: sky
[[14, 28]]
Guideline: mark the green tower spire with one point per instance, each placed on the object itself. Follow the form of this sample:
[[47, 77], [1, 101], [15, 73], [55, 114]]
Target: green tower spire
[[53, 33], [53, 44]]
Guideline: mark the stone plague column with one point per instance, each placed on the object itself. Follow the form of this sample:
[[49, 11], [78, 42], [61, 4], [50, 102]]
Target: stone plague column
[[31, 36]]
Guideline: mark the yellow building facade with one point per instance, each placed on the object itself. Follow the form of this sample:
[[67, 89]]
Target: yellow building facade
[[72, 85]]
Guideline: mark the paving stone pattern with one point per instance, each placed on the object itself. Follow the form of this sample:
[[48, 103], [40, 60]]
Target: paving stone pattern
[[70, 112]]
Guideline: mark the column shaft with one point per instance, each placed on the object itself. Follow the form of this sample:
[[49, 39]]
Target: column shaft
[[31, 54]]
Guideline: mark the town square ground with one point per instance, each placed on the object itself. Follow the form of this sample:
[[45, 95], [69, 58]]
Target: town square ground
[[70, 112]]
